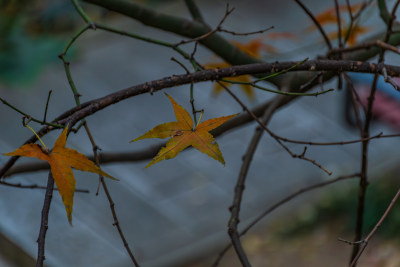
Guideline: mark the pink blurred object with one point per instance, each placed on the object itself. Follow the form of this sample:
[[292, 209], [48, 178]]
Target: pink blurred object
[[385, 108]]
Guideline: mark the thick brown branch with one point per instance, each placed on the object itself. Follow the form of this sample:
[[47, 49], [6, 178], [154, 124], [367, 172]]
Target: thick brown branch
[[88, 108]]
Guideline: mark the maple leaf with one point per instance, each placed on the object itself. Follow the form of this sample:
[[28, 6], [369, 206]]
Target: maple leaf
[[217, 88], [61, 159], [356, 31], [328, 16], [280, 35], [184, 135], [254, 47]]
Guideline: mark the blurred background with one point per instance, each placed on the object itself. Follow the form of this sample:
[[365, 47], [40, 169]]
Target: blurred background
[[175, 213]]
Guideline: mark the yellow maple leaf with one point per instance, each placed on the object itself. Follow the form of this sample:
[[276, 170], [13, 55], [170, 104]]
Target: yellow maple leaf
[[183, 134], [61, 159]]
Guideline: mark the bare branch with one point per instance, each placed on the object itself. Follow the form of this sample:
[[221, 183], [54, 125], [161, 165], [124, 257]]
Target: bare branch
[[321, 30], [240, 184], [44, 225], [279, 204], [365, 241], [35, 186], [245, 33], [88, 108]]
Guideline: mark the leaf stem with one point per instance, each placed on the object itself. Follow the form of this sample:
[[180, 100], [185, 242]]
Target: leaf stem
[[201, 115], [26, 125]]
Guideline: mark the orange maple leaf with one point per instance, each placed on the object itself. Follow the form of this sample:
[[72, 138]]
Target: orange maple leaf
[[183, 134], [280, 35], [254, 47], [328, 16], [356, 31], [61, 159]]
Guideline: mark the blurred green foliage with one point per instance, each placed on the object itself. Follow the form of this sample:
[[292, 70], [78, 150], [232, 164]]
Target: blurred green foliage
[[338, 206], [32, 35]]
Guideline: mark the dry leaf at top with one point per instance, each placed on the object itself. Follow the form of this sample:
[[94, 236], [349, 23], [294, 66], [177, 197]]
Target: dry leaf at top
[[356, 31], [328, 16], [252, 48], [61, 159], [184, 134], [247, 88]]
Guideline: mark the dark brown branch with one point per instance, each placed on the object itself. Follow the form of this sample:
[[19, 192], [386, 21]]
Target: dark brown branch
[[272, 134], [365, 134], [211, 32], [368, 45], [355, 103], [353, 18], [245, 33], [207, 75], [44, 225], [339, 24], [280, 203], [365, 241], [35, 186], [110, 200], [389, 80], [240, 184], [150, 152], [88, 108]]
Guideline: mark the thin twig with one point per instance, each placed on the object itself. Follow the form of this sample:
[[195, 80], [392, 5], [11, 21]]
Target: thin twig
[[316, 22], [368, 45], [364, 160], [110, 200], [246, 33], [44, 225], [95, 147], [353, 18], [47, 105], [273, 135], [355, 100], [88, 108], [83, 14], [148, 153], [389, 80], [35, 186], [208, 34], [365, 241], [279, 204], [240, 184], [339, 24], [30, 117]]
